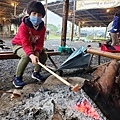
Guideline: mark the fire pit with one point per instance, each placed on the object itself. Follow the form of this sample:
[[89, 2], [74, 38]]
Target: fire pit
[[50, 101]]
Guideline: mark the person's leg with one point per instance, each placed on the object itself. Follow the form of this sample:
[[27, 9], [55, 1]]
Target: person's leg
[[24, 60], [119, 37], [114, 37], [42, 59], [36, 75]]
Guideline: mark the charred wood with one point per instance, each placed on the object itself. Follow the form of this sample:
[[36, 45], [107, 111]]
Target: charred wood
[[105, 90]]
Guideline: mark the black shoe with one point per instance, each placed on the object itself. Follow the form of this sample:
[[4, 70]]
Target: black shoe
[[17, 82], [37, 76]]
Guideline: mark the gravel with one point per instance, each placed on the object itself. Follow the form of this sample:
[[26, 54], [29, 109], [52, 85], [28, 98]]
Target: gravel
[[38, 105], [8, 67]]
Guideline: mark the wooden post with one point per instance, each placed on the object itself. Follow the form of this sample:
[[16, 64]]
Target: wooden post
[[46, 13], [15, 8], [79, 29], [64, 22], [73, 20], [105, 33]]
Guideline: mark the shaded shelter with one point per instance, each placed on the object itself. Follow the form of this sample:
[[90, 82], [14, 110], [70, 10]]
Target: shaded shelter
[[91, 17], [96, 16], [85, 17]]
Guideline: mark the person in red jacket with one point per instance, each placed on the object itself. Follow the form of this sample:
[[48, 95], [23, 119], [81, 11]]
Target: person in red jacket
[[28, 43]]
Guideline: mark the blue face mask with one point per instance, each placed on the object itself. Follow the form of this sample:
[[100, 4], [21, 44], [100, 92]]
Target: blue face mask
[[35, 20]]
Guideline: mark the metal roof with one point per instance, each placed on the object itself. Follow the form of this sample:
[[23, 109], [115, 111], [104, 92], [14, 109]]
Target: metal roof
[[7, 7], [91, 17]]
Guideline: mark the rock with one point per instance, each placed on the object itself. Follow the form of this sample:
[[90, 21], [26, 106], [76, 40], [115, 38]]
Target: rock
[[16, 93]]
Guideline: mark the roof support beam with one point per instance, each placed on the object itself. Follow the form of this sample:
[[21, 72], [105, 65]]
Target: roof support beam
[[64, 22], [73, 20], [95, 18]]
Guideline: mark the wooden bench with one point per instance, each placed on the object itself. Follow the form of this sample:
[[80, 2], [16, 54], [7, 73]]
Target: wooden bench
[[4, 55]]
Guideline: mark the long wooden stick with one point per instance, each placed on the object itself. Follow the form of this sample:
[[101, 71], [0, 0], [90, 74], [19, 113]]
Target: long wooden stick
[[74, 88], [103, 53]]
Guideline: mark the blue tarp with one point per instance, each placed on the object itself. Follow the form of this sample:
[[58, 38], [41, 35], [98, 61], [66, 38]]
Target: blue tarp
[[78, 59]]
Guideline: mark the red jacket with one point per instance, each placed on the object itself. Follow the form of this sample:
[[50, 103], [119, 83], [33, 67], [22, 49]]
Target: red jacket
[[30, 39]]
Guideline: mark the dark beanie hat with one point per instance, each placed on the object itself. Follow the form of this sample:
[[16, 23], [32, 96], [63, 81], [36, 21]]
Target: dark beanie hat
[[36, 6]]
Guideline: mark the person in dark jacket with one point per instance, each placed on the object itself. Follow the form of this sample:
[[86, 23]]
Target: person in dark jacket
[[28, 43], [115, 29]]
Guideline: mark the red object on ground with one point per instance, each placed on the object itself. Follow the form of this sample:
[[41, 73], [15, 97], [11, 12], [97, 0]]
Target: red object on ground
[[85, 108], [109, 48]]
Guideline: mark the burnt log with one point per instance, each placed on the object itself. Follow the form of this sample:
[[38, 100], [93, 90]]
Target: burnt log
[[107, 80], [105, 91]]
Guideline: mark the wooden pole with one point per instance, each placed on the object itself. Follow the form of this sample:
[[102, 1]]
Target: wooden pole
[[103, 53], [79, 30], [15, 8], [105, 33], [73, 20], [64, 22], [46, 13], [74, 88]]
